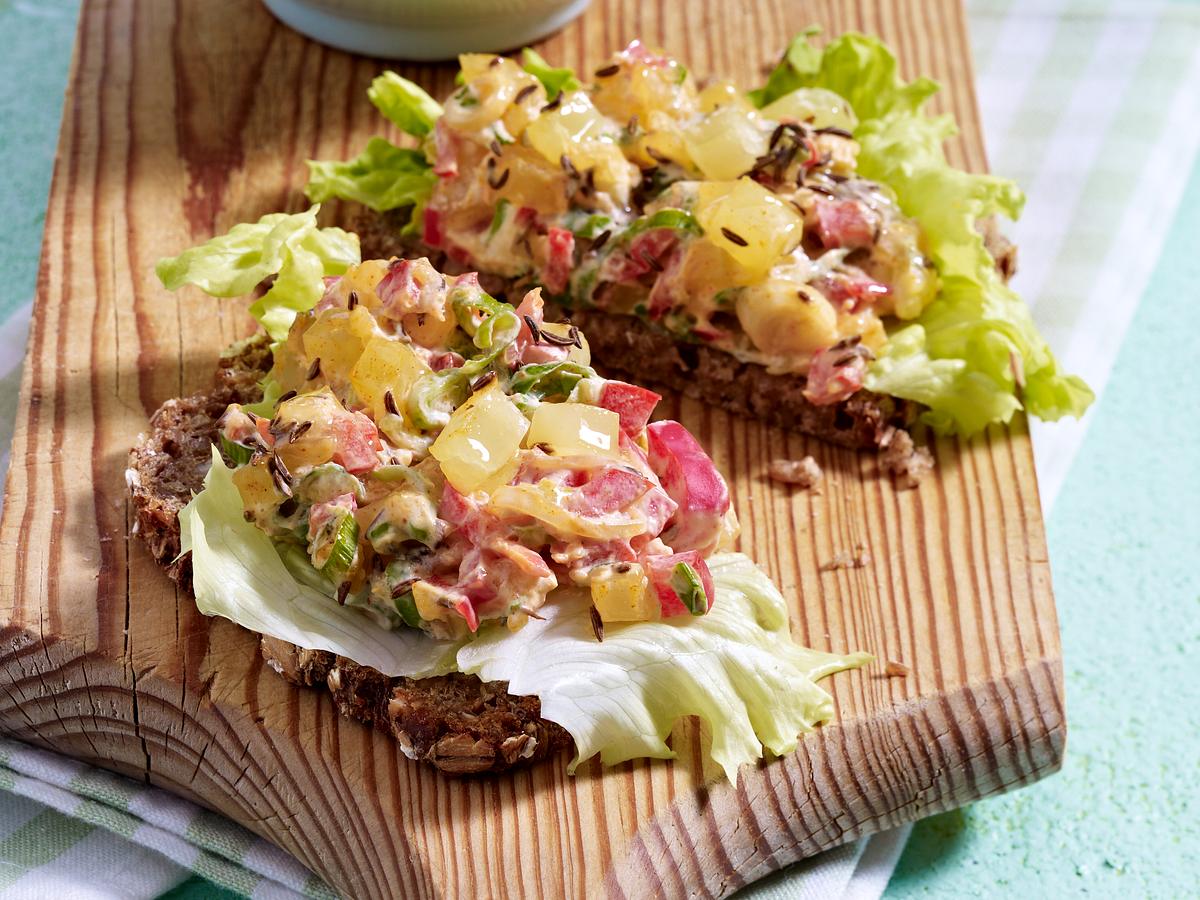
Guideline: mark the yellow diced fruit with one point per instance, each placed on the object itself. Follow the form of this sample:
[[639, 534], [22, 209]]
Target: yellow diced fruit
[[338, 338], [784, 318], [481, 437], [816, 107], [562, 131], [363, 279], [573, 429], [723, 93], [257, 488], [317, 444], [750, 223], [620, 593], [290, 367], [385, 365], [725, 143], [426, 597]]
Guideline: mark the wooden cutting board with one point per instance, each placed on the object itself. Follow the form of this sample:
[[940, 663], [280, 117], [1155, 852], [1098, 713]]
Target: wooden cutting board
[[184, 118]]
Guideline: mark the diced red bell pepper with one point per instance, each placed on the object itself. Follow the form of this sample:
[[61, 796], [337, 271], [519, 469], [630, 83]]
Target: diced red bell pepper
[[611, 490], [632, 404], [852, 291], [646, 253], [833, 375], [693, 482], [561, 260], [667, 583], [844, 223], [432, 233], [357, 440], [458, 510]]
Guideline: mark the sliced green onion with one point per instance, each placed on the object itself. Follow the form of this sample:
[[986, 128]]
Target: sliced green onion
[[686, 584], [407, 607], [344, 549], [498, 217], [236, 452], [675, 219]]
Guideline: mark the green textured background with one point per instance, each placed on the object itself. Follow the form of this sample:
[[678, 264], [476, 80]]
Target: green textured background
[[1123, 818]]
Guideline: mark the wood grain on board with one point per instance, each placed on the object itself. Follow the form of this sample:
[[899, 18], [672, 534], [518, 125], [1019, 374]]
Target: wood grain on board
[[184, 118]]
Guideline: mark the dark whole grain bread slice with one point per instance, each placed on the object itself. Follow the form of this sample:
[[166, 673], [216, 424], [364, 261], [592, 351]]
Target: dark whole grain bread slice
[[457, 723], [628, 347]]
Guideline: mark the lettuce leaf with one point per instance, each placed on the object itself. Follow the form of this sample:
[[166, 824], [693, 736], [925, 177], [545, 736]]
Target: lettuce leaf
[[382, 177], [974, 355], [736, 667], [291, 247], [555, 81], [237, 573], [404, 104], [861, 69]]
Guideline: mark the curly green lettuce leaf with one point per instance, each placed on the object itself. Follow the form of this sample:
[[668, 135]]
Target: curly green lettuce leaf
[[382, 177], [974, 355], [554, 80], [290, 247], [736, 667], [861, 69], [238, 573], [404, 104]]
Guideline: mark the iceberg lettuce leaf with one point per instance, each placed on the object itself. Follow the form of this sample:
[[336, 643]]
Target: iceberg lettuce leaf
[[735, 667], [288, 246], [237, 573]]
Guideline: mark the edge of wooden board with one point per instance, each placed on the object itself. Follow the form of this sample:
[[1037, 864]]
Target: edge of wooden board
[[190, 735]]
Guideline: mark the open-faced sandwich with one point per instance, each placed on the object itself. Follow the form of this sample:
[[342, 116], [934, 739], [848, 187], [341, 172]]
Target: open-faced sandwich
[[802, 252], [430, 502]]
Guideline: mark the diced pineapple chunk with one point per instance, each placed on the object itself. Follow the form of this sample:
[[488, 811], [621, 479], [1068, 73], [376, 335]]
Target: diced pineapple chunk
[[572, 429], [533, 180], [290, 366], [338, 338], [619, 593], [562, 131], [363, 279], [725, 143], [723, 93], [385, 365], [488, 92], [257, 488], [750, 223], [426, 597], [481, 437], [817, 107], [317, 443], [784, 318], [649, 85], [473, 65]]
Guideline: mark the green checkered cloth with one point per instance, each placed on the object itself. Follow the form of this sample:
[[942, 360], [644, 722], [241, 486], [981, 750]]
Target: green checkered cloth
[[1092, 105], [69, 828]]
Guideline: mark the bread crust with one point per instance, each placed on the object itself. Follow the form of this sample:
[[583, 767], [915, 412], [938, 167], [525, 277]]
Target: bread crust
[[457, 723]]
